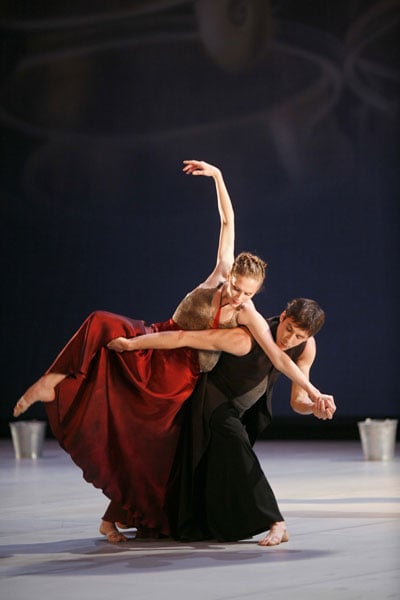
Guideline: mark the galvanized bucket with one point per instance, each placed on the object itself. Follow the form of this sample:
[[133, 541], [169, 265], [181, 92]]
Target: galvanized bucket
[[28, 438], [378, 438]]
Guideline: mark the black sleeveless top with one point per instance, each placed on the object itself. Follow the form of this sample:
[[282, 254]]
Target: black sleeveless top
[[238, 379]]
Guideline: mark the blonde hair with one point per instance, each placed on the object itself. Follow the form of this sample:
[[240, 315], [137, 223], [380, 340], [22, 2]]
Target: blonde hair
[[249, 265]]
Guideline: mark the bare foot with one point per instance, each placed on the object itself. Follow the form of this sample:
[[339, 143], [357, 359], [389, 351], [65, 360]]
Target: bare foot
[[42, 390], [276, 535], [141, 532], [111, 532]]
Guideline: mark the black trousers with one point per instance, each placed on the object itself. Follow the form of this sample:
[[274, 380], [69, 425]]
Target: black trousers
[[226, 496]]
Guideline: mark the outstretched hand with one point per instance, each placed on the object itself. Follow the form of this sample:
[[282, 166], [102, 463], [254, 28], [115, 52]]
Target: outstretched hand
[[119, 344], [199, 167]]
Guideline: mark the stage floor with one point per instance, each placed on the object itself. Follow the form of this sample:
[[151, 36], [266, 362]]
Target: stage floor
[[342, 513]]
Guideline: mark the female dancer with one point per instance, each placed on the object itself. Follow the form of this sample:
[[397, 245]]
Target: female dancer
[[117, 415]]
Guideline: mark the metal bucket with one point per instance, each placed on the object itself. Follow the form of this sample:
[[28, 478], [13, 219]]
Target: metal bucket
[[378, 438], [28, 438]]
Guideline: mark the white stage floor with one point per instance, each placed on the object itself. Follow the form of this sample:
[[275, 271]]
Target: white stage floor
[[342, 514]]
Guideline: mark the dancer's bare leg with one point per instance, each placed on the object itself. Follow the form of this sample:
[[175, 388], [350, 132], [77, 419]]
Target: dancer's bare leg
[[276, 535], [111, 532], [42, 390]]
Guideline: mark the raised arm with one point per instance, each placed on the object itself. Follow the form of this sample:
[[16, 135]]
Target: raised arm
[[225, 254], [235, 341]]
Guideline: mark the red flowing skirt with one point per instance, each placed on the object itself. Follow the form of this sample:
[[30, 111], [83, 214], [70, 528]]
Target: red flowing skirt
[[117, 414]]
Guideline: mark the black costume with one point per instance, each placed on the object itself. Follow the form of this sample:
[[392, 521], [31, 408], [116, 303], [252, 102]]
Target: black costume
[[217, 489]]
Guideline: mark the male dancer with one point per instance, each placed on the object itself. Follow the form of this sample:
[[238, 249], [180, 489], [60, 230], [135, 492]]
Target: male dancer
[[216, 473]]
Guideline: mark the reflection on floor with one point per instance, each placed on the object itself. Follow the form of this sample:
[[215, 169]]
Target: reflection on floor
[[342, 513]]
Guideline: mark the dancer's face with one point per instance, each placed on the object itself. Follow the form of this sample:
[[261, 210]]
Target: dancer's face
[[288, 334], [240, 289]]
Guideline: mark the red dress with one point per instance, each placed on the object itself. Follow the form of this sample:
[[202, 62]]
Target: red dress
[[117, 414]]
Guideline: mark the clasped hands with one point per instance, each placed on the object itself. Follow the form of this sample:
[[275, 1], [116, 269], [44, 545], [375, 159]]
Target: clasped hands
[[324, 407]]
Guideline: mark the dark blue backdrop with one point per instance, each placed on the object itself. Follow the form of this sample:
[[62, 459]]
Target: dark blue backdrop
[[298, 106]]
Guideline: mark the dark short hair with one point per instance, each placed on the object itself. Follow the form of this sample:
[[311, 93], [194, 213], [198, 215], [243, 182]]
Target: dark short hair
[[307, 314]]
